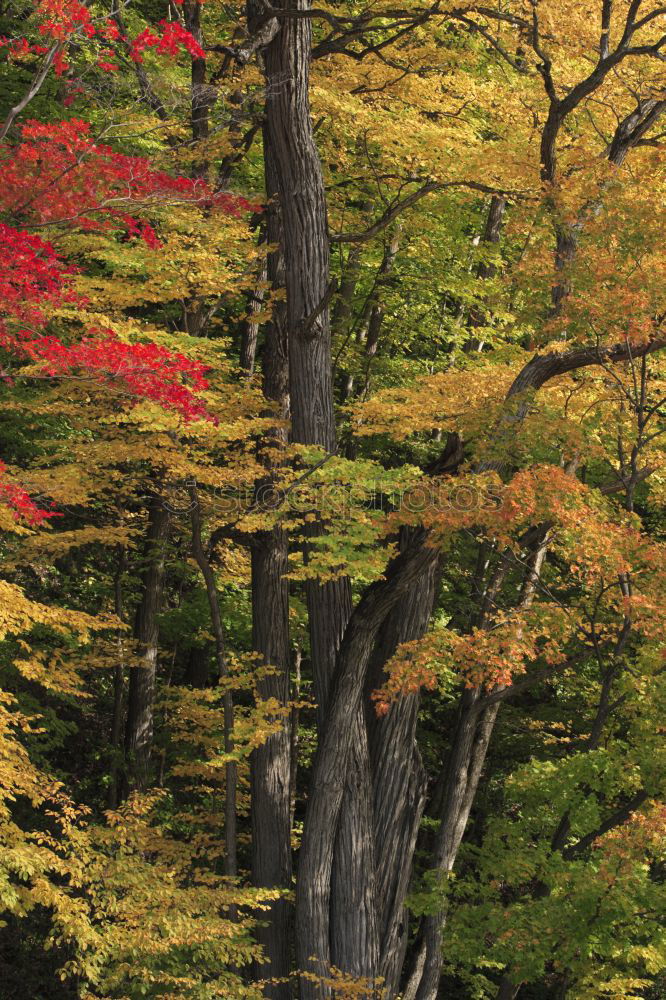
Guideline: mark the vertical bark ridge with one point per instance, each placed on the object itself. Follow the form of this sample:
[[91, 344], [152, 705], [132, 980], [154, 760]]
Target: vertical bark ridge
[[398, 780], [354, 902], [332, 763]]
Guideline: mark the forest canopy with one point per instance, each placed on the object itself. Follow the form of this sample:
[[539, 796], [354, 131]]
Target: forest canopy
[[333, 500]]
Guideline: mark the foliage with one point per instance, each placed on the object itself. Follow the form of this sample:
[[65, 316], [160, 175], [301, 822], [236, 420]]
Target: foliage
[[134, 196]]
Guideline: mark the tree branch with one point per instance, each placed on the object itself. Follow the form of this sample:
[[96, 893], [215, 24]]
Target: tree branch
[[32, 90], [399, 206], [615, 819], [544, 367]]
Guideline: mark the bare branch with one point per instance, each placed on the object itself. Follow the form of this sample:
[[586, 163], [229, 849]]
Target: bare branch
[[32, 90], [397, 207]]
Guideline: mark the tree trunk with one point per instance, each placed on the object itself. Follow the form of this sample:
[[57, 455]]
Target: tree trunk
[[270, 764], [398, 779], [200, 93], [197, 670], [141, 696], [250, 334], [508, 990], [354, 930], [491, 234], [380, 813], [332, 763], [468, 754], [383, 278], [293, 160], [230, 769], [113, 796], [474, 729]]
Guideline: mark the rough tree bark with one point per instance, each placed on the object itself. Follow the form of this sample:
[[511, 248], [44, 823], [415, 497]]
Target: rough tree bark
[[271, 764], [337, 840], [333, 759], [293, 160], [398, 778], [354, 932]]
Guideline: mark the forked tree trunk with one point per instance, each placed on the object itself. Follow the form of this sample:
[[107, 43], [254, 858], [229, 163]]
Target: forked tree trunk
[[334, 917], [338, 912], [381, 810], [293, 161], [332, 763]]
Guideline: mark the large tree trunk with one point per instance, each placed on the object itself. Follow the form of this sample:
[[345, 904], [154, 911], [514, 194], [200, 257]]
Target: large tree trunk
[[338, 916], [398, 780], [332, 763], [293, 154], [354, 929], [337, 908], [271, 764], [141, 696], [293, 160]]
